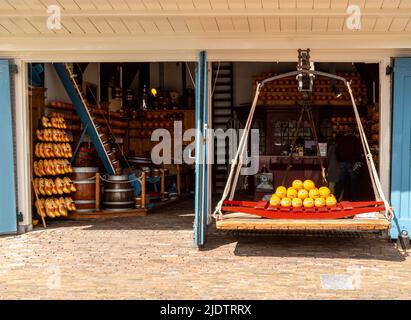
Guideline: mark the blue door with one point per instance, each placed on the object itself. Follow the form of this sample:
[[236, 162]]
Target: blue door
[[401, 146], [8, 220], [201, 182]]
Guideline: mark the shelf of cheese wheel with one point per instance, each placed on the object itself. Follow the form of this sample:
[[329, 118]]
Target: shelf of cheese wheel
[[52, 188], [113, 122], [285, 91]]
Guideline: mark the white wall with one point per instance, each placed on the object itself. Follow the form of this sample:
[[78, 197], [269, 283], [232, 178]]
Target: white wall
[[172, 81], [55, 89], [92, 73], [172, 75]]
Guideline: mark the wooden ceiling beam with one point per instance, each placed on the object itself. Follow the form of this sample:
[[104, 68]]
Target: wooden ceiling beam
[[301, 12]]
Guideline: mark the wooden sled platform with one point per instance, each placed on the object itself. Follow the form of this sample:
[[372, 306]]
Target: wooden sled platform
[[342, 209], [241, 221]]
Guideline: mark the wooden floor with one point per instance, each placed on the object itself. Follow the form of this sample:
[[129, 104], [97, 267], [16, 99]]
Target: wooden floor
[[107, 214], [240, 221], [110, 214], [160, 205]]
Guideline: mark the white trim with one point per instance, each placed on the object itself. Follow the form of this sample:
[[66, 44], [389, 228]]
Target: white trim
[[23, 146], [172, 47], [209, 143], [88, 55], [318, 55], [212, 12], [322, 55], [385, 127]]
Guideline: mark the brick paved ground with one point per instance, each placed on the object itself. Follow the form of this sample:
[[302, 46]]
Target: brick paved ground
[[153, 257]]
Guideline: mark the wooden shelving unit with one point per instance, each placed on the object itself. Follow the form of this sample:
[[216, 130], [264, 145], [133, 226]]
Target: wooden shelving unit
[[111, 121], [141, 128], [285, 91]]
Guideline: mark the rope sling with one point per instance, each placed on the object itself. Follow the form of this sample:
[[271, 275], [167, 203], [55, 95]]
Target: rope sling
[[237, 163]]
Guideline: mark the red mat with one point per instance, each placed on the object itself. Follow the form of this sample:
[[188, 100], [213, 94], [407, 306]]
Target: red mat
[[342, 209]]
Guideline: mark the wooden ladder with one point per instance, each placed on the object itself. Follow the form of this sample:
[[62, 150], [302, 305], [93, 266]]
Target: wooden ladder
[[222, 106], [95, 131]]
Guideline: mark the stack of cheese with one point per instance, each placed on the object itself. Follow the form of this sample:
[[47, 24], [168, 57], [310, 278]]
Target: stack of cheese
[[302, 194]]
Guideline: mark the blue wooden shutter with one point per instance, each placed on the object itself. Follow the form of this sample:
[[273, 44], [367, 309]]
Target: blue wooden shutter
[[401, 146], [8, 220], [201, 183]]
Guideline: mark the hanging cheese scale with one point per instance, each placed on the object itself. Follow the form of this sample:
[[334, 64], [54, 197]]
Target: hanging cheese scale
[[305, 76]]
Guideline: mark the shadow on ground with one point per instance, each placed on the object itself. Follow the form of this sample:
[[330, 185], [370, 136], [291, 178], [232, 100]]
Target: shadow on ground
[[334, 246], [180, 217]]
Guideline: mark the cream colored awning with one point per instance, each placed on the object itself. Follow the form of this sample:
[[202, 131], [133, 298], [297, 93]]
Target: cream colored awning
[[205, 24]]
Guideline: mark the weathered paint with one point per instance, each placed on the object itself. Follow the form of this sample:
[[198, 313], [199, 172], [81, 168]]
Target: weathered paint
[[8, 220], [401, 146], [201, 182]]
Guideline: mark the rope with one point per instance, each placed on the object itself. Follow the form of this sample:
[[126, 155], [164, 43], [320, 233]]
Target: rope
[[304, 109], [74, 82], [375, 180], [106, 180], [235, 168], [216, 78], [290, 157], [121, 182], [191, 76], [104, 117], [314, 132]]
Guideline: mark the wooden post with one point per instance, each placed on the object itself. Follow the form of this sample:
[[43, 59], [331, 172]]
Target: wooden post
[[178, 180], [37, 198], [187, 186], [162, 184], [143, 190], [97, 191]]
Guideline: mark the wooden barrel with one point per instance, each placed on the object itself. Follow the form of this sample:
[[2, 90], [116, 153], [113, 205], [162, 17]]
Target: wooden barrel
[[86, 156], [85, 182], [118, 192]]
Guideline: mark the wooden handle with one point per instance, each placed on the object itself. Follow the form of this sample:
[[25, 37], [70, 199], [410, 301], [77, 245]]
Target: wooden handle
[[37, 198], [178, 180], [97, 191], [143, 190], [162, 184]]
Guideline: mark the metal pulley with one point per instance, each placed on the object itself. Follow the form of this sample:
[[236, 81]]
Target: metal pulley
[[404, 240]]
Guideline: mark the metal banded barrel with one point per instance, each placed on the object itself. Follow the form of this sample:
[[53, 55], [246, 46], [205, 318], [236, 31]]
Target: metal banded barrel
[[85, 182], [85, 157], [118, 192]]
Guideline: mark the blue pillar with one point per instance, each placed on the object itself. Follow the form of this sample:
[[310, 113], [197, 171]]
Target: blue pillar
[[401, 146], [8, 211]]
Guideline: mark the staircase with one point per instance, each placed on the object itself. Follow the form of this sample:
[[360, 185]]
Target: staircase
[[101, 141], [222, 104]]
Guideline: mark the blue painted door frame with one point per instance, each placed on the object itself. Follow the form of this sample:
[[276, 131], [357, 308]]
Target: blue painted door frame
[[201, 181], [401, 146], [8, 217]]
